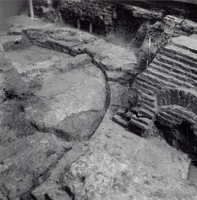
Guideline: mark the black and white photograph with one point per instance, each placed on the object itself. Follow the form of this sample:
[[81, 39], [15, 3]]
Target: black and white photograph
[[98, 100]]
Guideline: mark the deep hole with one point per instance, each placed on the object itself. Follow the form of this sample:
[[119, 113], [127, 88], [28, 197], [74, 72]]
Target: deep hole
[[126, 25], [85, 25], [33, 197], [185, 129]]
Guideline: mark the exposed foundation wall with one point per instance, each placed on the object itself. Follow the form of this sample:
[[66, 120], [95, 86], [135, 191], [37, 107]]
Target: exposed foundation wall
[[100, 14]]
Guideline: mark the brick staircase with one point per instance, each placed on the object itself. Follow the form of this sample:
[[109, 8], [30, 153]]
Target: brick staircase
[[175, 66]]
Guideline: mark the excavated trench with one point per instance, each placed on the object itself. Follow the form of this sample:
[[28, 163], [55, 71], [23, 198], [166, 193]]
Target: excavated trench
[[66, 89]]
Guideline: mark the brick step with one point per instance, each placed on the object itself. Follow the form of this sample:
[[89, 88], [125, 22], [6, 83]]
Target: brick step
[[146, 102], [119, 120], [173, 69], [149, 109], [169, 77], [144, 106], [143, 87], [136, 122], [151, 100], [144, 82], [176, 116], [150, 97], [144, 120], [129, 115], [180, 54], [159, 81], [173, 61], [146, 113], [167, 118], [185, 42], [145, 110], [121, 111]]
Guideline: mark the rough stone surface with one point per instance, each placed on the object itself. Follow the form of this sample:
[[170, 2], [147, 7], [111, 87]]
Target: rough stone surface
[[30, 158], [117, 164]]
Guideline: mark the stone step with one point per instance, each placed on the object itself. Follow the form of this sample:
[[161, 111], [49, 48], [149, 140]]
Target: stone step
[[143, 112], [144, 120], [115, 75], [150, 97], [167, 119], [159, 82], [149, 109], [186, 43], [144, 82], [137, 123], [128, 115], [186, 62], [173, 61], [143, 87], [173, 69], [157, 66], [146, 102], [151, 100], [169, 77], [119, 120], [121, 111], [181, 54]]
